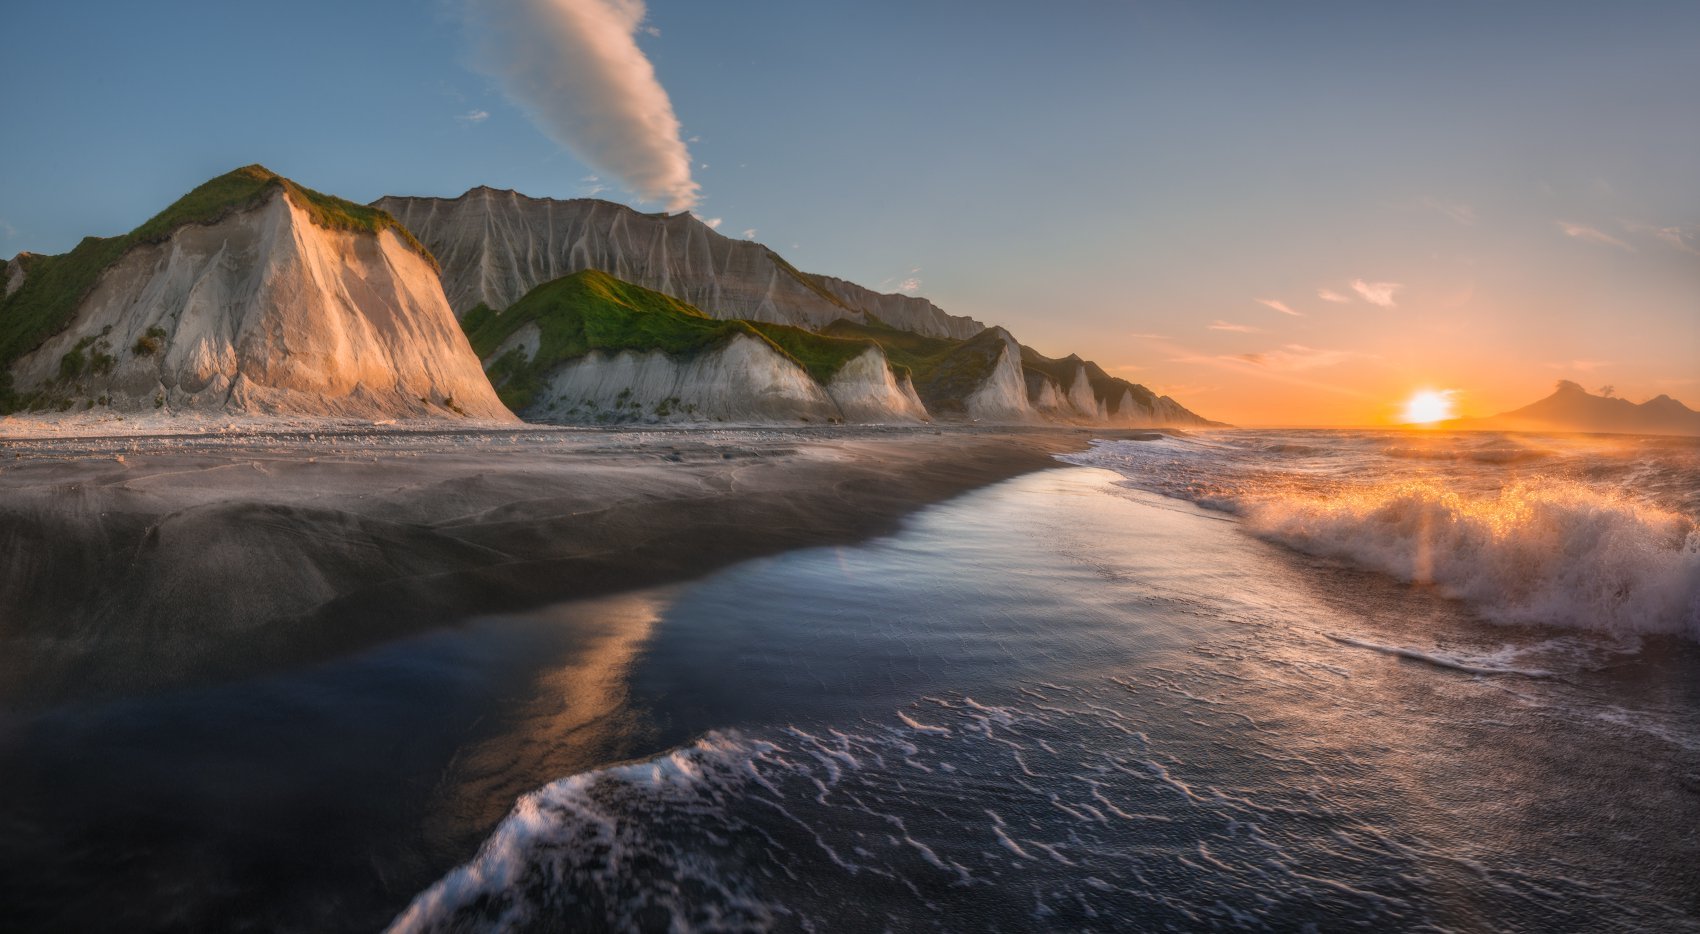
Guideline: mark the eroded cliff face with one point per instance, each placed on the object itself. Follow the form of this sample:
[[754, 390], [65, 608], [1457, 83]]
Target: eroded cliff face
[[1002, 395], [494, 246], [266, 313], [866, 390], [745, 381], [1074, 390]]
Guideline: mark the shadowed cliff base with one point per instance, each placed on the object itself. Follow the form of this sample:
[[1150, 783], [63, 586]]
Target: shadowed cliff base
[[131, 564]]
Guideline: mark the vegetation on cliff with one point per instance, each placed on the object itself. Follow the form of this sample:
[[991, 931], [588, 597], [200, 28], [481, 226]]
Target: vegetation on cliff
[[593, 311], [56, 285]]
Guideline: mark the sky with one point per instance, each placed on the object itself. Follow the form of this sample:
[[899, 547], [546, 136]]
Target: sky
[[1280, 214]]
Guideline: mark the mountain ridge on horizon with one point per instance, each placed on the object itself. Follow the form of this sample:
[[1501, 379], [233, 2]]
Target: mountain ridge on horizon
[[1572, 408]]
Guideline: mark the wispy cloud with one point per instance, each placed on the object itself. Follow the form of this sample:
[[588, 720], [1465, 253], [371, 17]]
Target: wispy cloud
[[1376, 293], [1329, 295], [1683, 237], [749, 233], [1458, 211], [574, 66], [1296, 357], [591, 185], [1282, 365], [1230, 326], [909, 282], [1141, 335], [1280, 306], [1680, 237], [472, 117], [1580, 366], [713, 223], [1592, 235]]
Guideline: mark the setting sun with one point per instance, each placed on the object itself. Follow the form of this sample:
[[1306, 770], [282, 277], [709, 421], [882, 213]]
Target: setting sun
[[1427, 406]]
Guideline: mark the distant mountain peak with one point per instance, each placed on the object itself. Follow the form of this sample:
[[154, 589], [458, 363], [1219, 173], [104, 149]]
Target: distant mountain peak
[[1573, 408]]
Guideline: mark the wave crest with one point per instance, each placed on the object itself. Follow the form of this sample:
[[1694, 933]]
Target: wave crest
[[1540, 551]]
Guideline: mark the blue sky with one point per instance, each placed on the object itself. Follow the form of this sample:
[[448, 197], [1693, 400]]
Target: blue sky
[[1125, 180]]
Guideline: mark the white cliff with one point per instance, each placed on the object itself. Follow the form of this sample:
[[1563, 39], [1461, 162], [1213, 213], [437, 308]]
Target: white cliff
[[1002, 395], [866, 390], [264, 312], [744, 381]]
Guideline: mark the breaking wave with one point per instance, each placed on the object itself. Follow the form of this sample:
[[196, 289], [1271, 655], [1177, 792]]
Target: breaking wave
[[1580, 544], [1541, 552]]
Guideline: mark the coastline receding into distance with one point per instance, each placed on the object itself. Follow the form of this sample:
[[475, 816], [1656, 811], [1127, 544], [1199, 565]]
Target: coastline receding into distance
[[139, 562], [643, 465]]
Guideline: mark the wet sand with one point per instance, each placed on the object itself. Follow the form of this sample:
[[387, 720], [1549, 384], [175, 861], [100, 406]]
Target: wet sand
[[131, 563]]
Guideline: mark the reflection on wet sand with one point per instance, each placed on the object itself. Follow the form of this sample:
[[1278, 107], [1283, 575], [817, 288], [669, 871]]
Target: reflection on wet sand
[[576, 718]]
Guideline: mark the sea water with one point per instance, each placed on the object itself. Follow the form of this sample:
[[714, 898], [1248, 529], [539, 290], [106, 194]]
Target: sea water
[[1249, 680]]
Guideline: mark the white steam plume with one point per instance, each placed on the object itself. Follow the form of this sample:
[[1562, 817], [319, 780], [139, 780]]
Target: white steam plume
[[574, 66]]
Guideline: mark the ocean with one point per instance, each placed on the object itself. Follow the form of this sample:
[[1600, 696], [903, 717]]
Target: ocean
[[1242, 680], [1251, 680]]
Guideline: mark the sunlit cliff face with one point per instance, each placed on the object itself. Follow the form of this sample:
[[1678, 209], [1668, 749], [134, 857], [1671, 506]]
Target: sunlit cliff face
[[1427, 406]]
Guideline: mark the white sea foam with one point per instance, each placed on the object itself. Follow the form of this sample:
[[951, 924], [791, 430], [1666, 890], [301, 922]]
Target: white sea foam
[[734, 832], [1602, 539], [1540, 551]]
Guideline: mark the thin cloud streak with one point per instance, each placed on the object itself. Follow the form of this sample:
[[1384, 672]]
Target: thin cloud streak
[[1581, 366], [575, 68], [1329, 295], [1677, 237], [1230, 326], [1262, 369], [1297, 357], [1592, 235], [1376, 293], [1280, 306]]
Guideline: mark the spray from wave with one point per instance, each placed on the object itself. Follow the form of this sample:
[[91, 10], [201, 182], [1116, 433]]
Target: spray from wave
[[1540, 551], [1586, 539]]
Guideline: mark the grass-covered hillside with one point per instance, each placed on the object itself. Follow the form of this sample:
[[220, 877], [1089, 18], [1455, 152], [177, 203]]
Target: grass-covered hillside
[[55, 285], [945, 371], [1105, 388], [591, 310]]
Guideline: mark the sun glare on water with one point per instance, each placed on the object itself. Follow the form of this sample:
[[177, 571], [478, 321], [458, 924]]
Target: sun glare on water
[[1428, 406]]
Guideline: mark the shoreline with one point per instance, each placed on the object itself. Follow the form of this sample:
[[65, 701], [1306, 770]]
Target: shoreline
[[134, 564]]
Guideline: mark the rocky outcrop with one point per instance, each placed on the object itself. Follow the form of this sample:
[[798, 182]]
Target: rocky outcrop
[[866, 390], [495, 246], [1001, 395], [15, 270], [1072, 389], [743, 381], [264, 312]]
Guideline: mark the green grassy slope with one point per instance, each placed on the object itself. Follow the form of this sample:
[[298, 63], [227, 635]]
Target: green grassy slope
[[591, 310], [945, 371], [1105, 388], [57, 284]]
